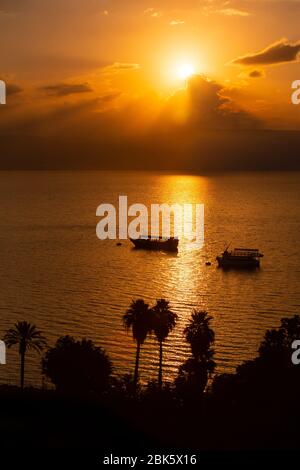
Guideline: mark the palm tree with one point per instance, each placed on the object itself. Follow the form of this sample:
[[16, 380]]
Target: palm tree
[[137, 318], [163, 322], [27, 337], [201, 338], [199, 335]]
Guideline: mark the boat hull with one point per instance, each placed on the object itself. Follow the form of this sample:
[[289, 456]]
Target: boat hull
[[227, 263], [155, 245]]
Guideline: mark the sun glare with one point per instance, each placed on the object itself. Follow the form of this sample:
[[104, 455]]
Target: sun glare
[[184, 71]]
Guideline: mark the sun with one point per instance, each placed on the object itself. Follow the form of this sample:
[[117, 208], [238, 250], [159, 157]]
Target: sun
[[184, 71]]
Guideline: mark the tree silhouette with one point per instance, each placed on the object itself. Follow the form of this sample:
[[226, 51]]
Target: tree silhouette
[[27, 337], [277, 343], [194, 373], [138, 319], [163, 322], [262, 397], [200, 336], [273, 368], [77, 367]]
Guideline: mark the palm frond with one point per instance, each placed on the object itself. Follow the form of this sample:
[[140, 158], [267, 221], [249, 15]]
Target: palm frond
[[26, 336]]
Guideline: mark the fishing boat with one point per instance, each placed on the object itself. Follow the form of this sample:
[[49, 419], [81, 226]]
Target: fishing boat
[[247, 258], [157, 243]]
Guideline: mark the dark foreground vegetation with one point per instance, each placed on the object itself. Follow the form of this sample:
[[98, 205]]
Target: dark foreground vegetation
[[257, 407]]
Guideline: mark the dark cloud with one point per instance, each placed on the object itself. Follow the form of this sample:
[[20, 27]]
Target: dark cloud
[[64, 89], [12, 89], [125, 66], [216, 135], [203, 105], [108, 97], [256, 74], [45, 66], [210, 108], [279, 52]]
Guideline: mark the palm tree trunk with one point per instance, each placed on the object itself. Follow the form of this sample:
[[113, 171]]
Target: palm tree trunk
[[137, 361], [160, 365], [22, 354]]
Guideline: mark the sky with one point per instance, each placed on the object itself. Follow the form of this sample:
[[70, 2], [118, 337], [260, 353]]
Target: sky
[[115, 83]]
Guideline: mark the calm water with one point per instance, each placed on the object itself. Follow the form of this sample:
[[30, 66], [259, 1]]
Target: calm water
[[56, 273]]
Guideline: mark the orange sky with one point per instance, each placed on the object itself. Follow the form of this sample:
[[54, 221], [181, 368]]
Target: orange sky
[[113, 64]]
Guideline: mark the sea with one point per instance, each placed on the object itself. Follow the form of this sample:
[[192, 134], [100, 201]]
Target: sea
[[56, 273]]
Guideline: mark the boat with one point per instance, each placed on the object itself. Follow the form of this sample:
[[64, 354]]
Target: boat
[[156, 243], [246, 258]]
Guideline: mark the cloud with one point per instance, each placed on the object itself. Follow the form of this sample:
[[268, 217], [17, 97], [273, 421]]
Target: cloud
[[153, 13], [280, 52], [13, 89], [216, 109], [118, 67], [209, 107], [99, 120], [217, 134], [108, 97], [256, 74], [233, 12], [210, 9], [176, 22], [64, 89], [52, 68]]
